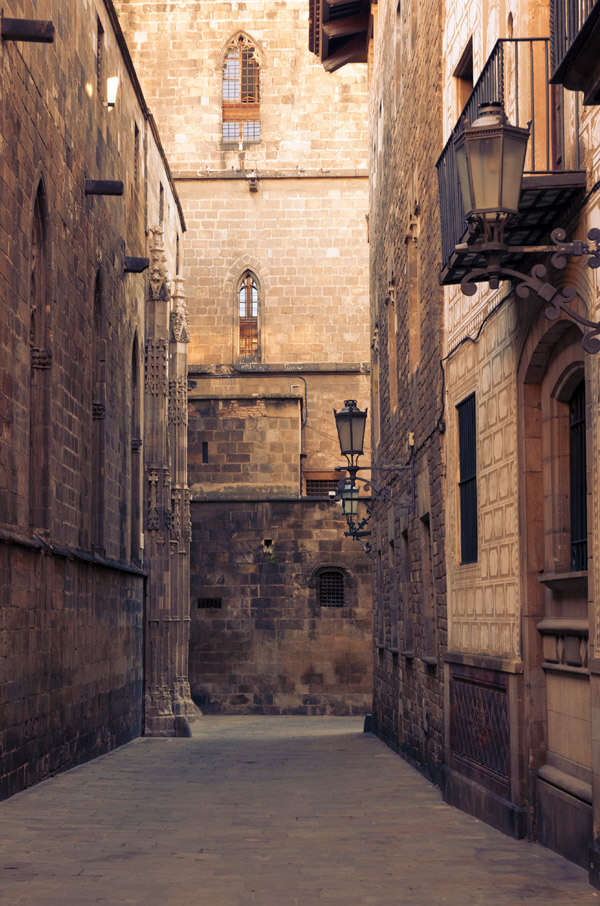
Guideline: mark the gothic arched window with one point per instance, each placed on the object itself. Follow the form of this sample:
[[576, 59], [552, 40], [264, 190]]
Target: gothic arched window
[[248, 300], [241, 108]]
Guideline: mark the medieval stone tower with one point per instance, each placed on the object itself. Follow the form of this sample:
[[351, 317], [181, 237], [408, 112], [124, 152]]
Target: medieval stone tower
[[269, 156]]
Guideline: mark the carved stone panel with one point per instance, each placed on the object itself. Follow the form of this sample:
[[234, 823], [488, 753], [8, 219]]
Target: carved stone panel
[[156, 367]]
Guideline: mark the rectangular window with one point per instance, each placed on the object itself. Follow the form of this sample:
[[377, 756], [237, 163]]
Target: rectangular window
[[578, 476], [467, 454], [204, 451], [161, 204]]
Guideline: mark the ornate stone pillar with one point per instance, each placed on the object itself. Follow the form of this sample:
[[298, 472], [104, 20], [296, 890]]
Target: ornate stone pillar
[[181, 531], [167, 600]]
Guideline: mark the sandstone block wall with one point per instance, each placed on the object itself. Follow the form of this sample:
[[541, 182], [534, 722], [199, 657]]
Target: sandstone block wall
[[178, 49], [260, 641]]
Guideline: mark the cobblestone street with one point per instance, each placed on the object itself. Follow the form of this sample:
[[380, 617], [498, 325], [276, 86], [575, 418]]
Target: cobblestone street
[[264, 810]]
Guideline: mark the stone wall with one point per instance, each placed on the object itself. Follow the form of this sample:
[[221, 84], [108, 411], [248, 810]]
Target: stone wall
[[260, 640], [71, 353], [408, 415], [289, 209]]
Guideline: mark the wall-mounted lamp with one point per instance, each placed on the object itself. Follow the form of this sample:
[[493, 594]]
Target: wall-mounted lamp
[[350, 422], [112, 87], [490, 157]]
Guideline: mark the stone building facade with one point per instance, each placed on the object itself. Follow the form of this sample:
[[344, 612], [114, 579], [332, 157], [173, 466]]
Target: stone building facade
[[275, 196], [407, 396], [78, 595], [514, 739]]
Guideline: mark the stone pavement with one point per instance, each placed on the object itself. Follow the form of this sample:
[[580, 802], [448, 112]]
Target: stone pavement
[[264, 811]]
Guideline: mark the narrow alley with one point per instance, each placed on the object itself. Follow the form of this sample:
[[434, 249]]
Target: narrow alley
[[273, 811]]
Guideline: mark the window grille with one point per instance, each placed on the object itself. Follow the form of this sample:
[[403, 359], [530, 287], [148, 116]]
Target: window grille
[[578, 483], [248, 310], [210, 603], [467, 452], [320, 487], [331, 588], [241, 108]]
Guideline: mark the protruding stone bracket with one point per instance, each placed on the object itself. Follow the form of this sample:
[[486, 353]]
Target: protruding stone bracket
[[38, 31], [135, 265], [104, 187]]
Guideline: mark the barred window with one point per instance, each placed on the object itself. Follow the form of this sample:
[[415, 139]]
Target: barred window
[[241, 108], [578, 476], [331, 588], [320, 487], [248, 312]]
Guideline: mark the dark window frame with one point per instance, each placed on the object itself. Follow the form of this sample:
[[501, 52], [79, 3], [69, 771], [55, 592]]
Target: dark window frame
[[467, 483]]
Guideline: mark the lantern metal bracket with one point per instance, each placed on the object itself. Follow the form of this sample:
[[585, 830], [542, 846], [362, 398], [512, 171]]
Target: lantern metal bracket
[[358, 530], [494, 249]]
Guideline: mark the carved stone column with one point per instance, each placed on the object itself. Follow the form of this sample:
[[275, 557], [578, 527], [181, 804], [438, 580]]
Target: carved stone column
[[167, 605], [181, 528]]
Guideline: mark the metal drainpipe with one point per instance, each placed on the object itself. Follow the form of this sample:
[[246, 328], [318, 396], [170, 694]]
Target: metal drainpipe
[[303, 424]]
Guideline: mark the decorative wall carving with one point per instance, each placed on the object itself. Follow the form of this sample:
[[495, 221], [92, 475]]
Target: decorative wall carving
[[98, 411], [41, 358], [178, 410], [155, 361]]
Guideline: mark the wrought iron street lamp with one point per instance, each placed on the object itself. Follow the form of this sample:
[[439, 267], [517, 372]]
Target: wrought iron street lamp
[[490, 156], [350, 422]]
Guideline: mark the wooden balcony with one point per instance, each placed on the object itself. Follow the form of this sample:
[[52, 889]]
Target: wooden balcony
[[338, 31]]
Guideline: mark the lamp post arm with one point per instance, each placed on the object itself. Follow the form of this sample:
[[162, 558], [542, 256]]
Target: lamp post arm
[[558, 300]]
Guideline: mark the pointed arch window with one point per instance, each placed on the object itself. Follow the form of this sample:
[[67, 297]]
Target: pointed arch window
[[248, 300], [241, 108]]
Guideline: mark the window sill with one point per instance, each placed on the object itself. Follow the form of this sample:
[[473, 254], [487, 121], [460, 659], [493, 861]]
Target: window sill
[[567, 581], [429, 661]]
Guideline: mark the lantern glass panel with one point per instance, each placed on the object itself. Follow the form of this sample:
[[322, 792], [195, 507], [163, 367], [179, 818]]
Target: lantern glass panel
[[349, 495], [485, 153], [463, 177], [515, 147]]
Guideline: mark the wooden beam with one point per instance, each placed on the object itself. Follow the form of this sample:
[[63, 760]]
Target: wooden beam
[[354, 51], [36, 30], [103, 187], [136, 265], [350, 26]]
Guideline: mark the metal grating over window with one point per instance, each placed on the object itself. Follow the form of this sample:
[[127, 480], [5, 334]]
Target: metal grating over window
[[467, 454], [578, 482], [320, 487], [210, 603], [241, 108], [331, 588]]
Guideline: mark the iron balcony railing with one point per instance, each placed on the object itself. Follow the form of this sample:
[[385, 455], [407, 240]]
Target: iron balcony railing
[[567, 18], [516, 75]]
